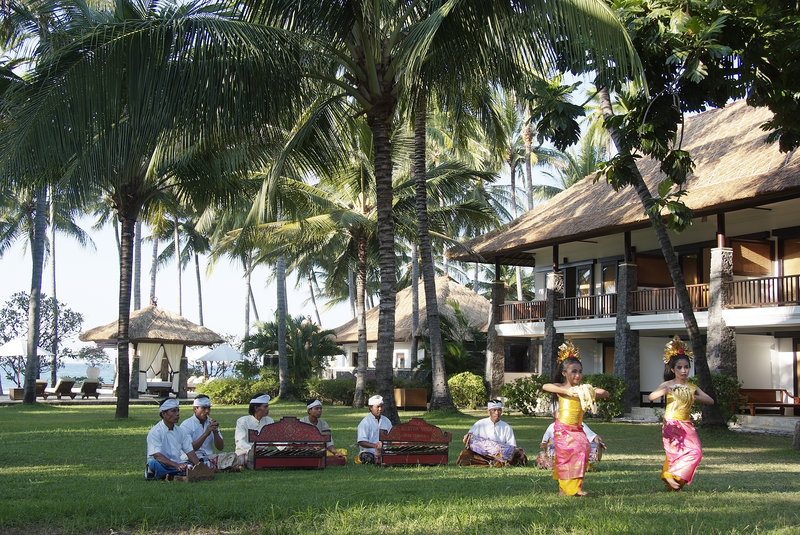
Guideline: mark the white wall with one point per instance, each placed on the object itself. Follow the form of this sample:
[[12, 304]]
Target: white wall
[[755, 360], [782, 365], [651, 362]]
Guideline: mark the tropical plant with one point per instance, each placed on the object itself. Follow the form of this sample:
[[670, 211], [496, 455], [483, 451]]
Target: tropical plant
[[467, 390]]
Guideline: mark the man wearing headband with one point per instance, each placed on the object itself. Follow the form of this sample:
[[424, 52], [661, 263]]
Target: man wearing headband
[[259, 409], [166, 441], [370, 448], [314, 409], [205, 435], [493, 439]]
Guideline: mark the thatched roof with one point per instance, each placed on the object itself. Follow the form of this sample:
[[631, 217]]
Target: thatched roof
[[474, 307], [734, 169], [153, 324]]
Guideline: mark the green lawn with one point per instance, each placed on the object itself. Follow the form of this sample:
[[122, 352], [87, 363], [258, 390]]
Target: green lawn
[[69, 469]]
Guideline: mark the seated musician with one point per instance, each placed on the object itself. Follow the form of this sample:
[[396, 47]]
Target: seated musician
[[165, 443], [259, 409], [491, 441], [370, 447], [314, 409], [205, 435]]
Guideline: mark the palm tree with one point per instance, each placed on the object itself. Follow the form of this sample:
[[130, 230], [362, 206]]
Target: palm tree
[[572, 168], [119, 119]]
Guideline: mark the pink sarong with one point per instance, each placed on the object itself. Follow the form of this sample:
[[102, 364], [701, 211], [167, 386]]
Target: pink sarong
[[683, 449], [572, 451]]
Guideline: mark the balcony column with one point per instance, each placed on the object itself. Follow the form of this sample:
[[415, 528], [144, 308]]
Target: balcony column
[[495, 345], [721, 348], [626, 340], [552, 339]]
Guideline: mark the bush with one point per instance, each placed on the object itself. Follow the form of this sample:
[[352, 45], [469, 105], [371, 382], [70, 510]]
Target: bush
[[236, 390], [612, 406], [467, 390], [333, 391], [525, 393], [726, 394]]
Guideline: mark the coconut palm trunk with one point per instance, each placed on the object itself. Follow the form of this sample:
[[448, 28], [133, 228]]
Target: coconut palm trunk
[[137, 267], [379, 119], [711, 413], [284, 387], [53, 295], [440, 395], [177, 247], [153, 268], [361, 309], [128, 229], [414, 304], [199, 287], [35, 302]]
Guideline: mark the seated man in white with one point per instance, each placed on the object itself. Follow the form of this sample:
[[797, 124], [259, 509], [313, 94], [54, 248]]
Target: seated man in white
[[205, 435], [493, 439], [314, 410], [259, 409], [369, 445], [166, 441]]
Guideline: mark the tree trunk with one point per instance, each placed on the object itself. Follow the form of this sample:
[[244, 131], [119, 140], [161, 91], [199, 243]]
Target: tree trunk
[[283, 360], [247, 273], [527, 139], [440, 394], [351, 296], [199, 288], [253, 301], [711, 413], [137, 267], [414, 305], [125, 276], [53, 295], [177, 247], [34, 304], [513, 176], [153, 269], [379, 119], [361, 285], [310, 278]]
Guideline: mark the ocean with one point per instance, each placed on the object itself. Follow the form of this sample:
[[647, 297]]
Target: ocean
[[78, 369]]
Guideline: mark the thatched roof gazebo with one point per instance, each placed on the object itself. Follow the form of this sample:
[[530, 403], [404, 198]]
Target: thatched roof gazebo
[[475, 308], [155, 332]]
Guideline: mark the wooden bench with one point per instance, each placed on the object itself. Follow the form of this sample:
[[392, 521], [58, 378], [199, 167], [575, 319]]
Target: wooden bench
[[414, 442], [63, 388], [289, 443], [775, 398]]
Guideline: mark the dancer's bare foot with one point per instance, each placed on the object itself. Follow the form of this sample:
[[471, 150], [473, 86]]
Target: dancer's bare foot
[[671, 484], [581, 493]]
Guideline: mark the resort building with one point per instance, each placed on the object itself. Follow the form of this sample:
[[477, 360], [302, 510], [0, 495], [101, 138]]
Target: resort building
[[474, 308], [602, 282]]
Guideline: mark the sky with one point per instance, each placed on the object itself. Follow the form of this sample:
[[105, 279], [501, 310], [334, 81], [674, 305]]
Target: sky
[[87, 281]]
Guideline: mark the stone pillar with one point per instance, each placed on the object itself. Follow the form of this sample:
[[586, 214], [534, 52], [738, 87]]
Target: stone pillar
[[626, 341], [721, 345], [552, 339], [495, 345]]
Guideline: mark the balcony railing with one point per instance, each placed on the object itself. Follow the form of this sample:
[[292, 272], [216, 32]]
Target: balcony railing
[[767, 291], [522, 311], [658, 300], [587, 306]]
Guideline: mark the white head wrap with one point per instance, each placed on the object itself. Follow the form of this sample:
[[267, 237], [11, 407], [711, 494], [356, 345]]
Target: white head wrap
[[494, 404], [375, 400], [202, 402], [168, 404], [260, 400], [315, 403]]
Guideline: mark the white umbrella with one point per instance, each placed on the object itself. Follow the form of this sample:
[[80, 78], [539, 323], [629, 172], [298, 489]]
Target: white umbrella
[[222, 353], [18, 347]]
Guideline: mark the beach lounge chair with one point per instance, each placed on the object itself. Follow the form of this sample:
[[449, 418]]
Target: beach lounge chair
[[41, 384], [89, 388], [63, 388]]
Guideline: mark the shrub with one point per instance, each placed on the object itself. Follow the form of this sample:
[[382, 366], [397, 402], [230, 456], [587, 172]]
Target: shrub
[[525, 393], [612, 406], [236, 390], [726, 394], [467, 390], [333, 391]]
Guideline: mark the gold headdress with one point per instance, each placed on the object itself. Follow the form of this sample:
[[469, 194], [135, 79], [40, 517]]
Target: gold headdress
[[676, 346], [566, 350]]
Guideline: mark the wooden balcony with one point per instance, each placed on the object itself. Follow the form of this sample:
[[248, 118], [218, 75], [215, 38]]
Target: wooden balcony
[[664, 300], [767, 291], [751, 293]]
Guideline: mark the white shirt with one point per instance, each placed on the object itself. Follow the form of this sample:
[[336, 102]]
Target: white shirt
[[369, 430], [195, 429], [499, 432], [243, 426], [323, 427], [168, 442]]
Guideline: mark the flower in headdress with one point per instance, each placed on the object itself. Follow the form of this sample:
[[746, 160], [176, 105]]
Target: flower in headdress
[[676, 346], [567, 350]]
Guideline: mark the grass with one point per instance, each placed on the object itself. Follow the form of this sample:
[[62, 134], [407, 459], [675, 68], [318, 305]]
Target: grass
[[69, 469]]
